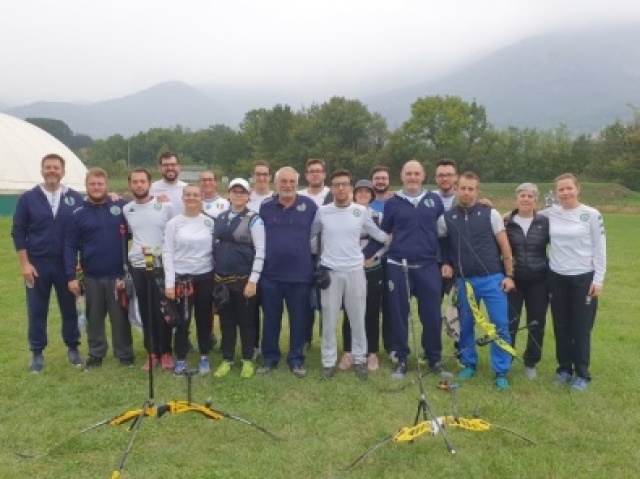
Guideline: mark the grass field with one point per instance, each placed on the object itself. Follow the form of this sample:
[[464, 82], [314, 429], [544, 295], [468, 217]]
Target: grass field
[[325, 425]]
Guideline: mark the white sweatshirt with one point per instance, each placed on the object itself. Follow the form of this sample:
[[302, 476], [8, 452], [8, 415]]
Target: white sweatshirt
[[577, 241], [147, 222], [341, 228], [188, 247]]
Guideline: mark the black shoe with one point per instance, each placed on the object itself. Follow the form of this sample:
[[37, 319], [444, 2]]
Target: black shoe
[[37, 363], [400, 371], [328, 372], [93, 362], [74, 358], [127, 362], [439, 370], [299, 371], [266, 368], [361, 371]]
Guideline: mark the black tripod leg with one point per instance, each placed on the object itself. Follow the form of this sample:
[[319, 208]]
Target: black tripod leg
[[134, 430]]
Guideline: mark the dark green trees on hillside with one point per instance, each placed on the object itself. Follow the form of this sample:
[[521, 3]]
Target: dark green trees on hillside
[[347, 135]]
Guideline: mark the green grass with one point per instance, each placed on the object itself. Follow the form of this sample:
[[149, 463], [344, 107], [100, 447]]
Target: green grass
[[325, 425]]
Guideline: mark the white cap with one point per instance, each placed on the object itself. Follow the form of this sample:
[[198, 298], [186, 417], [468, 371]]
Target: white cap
[[240, 182]]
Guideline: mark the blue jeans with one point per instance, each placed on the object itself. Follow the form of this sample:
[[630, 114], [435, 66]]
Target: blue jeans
[[273, 295], [486, 289]]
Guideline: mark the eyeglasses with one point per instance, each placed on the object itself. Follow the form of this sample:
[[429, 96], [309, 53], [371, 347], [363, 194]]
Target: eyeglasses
[[445, 175], [341, 184]]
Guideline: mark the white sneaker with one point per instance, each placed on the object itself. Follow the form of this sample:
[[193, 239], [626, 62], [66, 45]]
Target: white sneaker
[[530, 373]]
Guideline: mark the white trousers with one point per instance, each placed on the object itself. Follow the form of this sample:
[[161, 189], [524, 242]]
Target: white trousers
[[348, 288]]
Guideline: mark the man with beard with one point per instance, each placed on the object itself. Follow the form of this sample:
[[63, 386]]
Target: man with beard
[[212, 203], [316, 173], [288, 271], [446, 178], [261, 180], [344, 221], [410, 217], [380, 181], [169, 188], [147, 218], [96, 231], [39, 225]]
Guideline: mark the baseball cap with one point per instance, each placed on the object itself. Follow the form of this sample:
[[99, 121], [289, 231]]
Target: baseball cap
[[239, 182]]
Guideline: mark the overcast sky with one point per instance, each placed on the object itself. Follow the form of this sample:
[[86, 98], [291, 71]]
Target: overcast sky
[[90, 50]]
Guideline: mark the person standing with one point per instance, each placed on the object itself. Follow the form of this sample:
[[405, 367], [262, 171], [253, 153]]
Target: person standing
[[170, 187], [363, 194], [342, 222], [316, 174], [410, 217], [380, 181], [147, 218], [480, 254], [528, 234], [446, 178], [288, 271], [261, 190], [187, 256], [578, 261], [96, 231], [39, 225], [212, 203], [238, 252]]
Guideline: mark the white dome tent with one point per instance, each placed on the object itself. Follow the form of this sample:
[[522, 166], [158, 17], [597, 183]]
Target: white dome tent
[[22, 146]]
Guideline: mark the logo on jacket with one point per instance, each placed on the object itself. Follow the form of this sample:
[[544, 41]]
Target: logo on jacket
[[584, 217], [428, 202], [208, 223], [115, 210], [302, 207], [157, 206], [357, 213], [69, 200]]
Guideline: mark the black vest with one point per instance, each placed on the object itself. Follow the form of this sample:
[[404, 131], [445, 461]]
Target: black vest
[[233, 250], [474, 248], [530, 251]]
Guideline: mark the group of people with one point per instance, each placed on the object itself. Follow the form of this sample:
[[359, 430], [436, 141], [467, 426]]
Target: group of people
[[351, 246]]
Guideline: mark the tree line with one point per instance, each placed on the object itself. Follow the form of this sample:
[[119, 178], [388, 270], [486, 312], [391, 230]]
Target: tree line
[[347, 135]]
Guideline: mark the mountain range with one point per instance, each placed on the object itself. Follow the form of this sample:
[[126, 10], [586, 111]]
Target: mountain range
[[583, 78]]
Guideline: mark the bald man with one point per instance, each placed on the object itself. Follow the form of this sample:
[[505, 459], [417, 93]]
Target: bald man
[[410, 217]]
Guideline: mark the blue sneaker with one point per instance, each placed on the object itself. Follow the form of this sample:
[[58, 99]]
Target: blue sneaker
[[204, 367], [180, 368], [467, 373], [501, 382], [580, 384], [563, 378]]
